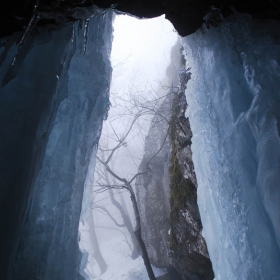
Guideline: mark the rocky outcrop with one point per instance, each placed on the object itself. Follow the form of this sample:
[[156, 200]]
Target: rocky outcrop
[[152, 188], [188, 250], [185, 15], [167, 195]]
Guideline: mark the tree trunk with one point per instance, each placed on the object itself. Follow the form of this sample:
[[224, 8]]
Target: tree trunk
[[96, 250], [135, 208], [136, 251], [126, 219], [127, 222], [139, 236]]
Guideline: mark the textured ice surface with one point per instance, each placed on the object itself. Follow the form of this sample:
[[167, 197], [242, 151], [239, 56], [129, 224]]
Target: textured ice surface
[[53, 101], [234, 113]]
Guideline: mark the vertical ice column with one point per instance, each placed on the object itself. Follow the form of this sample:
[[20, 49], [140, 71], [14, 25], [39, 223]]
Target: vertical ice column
[[234, 114], [53, 101]]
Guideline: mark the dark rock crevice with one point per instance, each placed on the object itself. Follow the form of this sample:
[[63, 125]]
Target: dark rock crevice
[[185, 15]]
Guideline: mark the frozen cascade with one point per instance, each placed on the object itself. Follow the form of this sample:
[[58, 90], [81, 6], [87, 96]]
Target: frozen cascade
[[52, 104], [234, 113]]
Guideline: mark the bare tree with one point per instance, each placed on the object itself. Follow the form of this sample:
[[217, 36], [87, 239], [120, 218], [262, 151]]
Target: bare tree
[[135, 109], [93, 251], [96, 250], [127, 184], [122, 210]]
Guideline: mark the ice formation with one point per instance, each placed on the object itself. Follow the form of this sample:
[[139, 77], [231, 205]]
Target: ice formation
[[234, 113], [54, 97]]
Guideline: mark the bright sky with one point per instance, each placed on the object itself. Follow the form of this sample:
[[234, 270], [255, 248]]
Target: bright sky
[[140, 56], [141, 51]]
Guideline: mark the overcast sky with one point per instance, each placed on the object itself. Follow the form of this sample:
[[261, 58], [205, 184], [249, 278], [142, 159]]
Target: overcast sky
[[141, 50], [140, 56]]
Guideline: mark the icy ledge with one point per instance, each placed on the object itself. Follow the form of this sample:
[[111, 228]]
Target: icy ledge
[[234, 114]]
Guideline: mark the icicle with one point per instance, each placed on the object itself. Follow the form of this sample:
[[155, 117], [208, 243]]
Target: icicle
[[102, 14], [30, 26], [86, 24], [70, 47], [72, 38], [80, 25], [21, 52], [102, 17], [27, 31]]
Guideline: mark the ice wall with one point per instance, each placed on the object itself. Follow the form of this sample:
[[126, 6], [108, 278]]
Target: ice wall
[[234, 111], [53, 98]]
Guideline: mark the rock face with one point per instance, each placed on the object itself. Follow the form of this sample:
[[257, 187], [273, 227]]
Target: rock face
[[186, 15], [153, 188], [167, 195], [188, 250]]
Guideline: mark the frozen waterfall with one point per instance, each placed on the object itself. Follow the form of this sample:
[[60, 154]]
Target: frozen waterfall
[[234, 111], [54, 88], [54, 97]]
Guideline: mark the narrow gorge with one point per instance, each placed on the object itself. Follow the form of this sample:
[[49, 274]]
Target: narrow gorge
[[55, 80]]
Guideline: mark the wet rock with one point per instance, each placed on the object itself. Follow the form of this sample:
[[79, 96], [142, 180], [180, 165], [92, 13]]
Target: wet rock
[[188, 250], [167, 195]]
